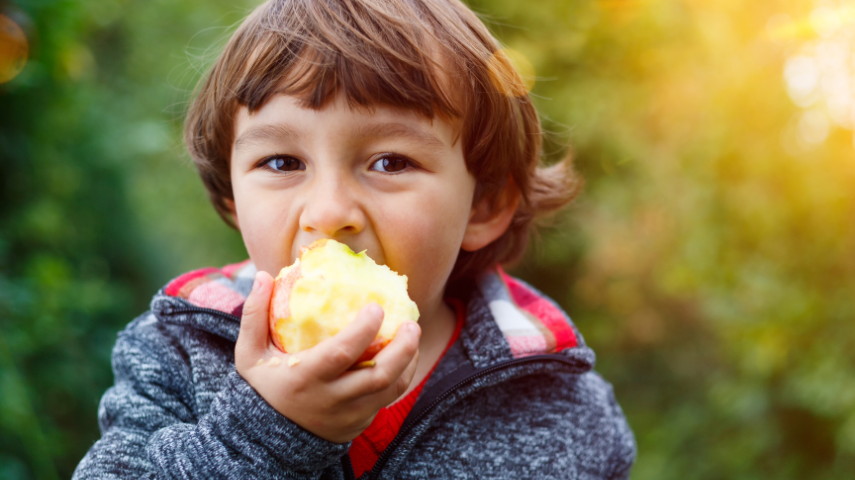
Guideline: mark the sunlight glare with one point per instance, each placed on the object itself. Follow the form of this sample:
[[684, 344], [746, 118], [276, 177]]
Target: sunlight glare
[[820, 74]]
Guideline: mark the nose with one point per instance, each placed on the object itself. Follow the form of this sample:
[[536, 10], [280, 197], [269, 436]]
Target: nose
[[332, 208]]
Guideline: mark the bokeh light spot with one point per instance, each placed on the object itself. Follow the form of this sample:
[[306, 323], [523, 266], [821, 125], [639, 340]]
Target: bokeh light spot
[[781, 28], [77, 61], [802, 78], [820, 74], [824, 21], [14, 49], [813, 127]]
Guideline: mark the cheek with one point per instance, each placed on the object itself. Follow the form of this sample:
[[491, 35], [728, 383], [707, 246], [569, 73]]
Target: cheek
[[264, 231], [425, 243]]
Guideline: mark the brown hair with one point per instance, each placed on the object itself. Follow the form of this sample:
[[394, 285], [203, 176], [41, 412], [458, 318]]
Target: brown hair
[[433, 56]]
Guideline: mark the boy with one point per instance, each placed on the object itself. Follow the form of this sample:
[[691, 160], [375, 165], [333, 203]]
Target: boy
[[396, 127]]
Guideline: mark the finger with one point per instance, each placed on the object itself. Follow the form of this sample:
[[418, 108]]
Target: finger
[[393, 370], [401, 385], [332, 357], [254, 332]]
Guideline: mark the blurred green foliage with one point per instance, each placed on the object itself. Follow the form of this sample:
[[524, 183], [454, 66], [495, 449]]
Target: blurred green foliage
[[710, 261]]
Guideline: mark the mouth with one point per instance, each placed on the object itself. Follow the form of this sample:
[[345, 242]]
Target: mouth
[[357, 247]]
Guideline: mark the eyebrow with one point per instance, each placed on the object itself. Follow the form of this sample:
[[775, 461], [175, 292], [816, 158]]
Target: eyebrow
[[373, 131], [386, 130], [264, 133]]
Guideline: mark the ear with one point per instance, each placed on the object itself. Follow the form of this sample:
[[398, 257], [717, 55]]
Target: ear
[[491, 217], [230, 204]]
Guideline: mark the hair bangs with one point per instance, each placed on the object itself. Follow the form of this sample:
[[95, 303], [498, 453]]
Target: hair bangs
[[370, 64]]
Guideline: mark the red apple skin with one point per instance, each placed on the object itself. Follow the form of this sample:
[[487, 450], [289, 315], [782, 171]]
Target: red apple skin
[[279, 302], [279, 308], [376, 345]]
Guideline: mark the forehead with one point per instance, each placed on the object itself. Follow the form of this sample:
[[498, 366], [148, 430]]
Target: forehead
[[424, 79], [286, 117]]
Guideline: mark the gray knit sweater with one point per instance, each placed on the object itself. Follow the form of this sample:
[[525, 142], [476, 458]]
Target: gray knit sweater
[[514, 397]]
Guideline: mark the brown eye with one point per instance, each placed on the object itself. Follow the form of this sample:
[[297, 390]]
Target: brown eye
[[285, 164], [390, 164]]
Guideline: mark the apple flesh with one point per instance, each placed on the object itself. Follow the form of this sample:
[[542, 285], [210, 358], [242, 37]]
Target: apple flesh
[[325, 289]]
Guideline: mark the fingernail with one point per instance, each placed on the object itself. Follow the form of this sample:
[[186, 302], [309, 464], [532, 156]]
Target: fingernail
[[375, 310], [412, 328], [256, 283]]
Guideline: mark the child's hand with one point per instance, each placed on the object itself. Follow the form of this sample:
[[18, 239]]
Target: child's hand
[[314, 388]]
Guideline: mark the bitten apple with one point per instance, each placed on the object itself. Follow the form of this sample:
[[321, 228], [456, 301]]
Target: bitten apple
[[323, 291]]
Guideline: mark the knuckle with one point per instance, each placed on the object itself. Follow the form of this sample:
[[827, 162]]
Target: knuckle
[[340, 355], [381, 380], [411, 348], [401, 386], [251, 308], [299, 384]]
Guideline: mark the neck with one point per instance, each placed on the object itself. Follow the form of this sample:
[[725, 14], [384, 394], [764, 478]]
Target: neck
[[437, 326]]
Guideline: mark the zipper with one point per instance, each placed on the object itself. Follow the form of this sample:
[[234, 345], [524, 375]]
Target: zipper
[[211, 311], [411, 422], [409, 425], [347, 467]]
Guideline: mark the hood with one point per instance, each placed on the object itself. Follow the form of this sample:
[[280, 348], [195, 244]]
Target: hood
[[506, 318]]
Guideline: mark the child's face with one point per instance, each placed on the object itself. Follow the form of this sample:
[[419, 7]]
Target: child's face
[[389, 181]]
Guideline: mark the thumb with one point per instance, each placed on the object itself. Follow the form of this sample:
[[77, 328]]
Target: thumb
[[254, 329]]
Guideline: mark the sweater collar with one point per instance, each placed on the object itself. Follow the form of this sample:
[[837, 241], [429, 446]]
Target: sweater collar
[[505, 319]]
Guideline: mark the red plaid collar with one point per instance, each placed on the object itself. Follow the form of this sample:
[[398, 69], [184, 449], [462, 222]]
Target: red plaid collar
[[224, 289], [530, 322]]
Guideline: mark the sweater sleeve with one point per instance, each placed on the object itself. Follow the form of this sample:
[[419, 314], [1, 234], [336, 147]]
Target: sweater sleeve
[[149, 428]]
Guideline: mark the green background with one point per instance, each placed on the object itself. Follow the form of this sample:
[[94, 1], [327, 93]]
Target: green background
[[710, 260]]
